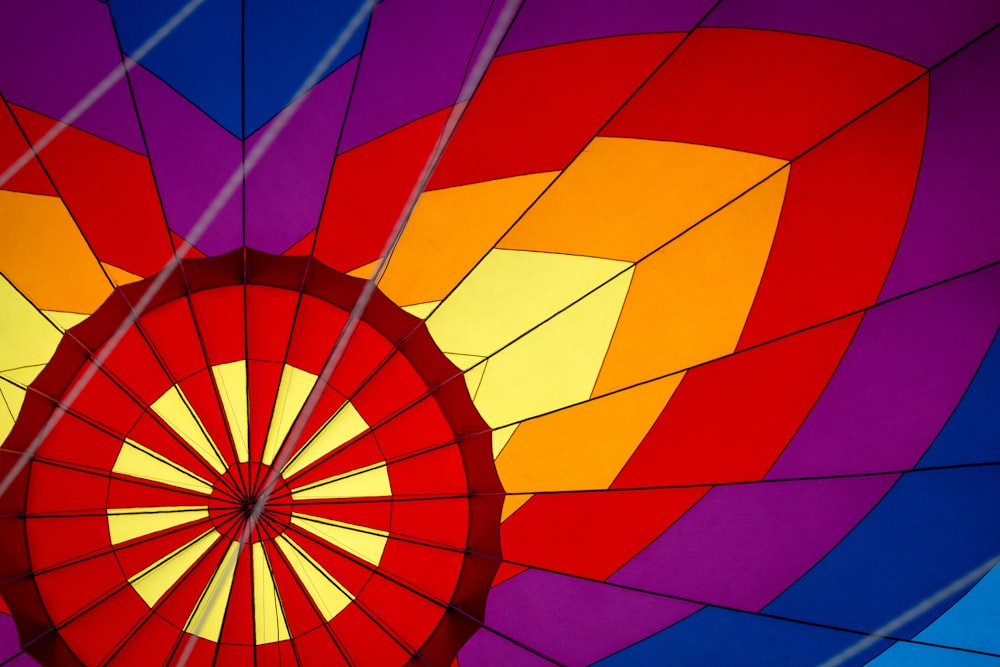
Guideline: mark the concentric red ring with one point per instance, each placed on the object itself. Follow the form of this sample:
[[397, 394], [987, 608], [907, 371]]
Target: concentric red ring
[[157, 479]]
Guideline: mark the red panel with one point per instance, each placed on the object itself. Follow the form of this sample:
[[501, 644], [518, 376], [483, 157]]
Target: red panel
[[57, 490], [125, 493], [431, 570], [303, 247], [367, 514], [298, 607], [136, 555], [352, 456], [89, 447], [442, 521], [133, 359], [205, 402], [319, 642], [238, 624], [69, 590], [368, 189], [722, 424], [316, 328], [364, 642], [31, 177], [177, 603], [768, 93], [844, 212], [110, 193], [535, 110], [418, 428], [351, 572], [436, 473], [151, 643], [106, 404], [262, 390], [58, 541], [95, 636], [392, 388], [591, 534], [412, 617], [270, 313], [171, 329], [220, 321]]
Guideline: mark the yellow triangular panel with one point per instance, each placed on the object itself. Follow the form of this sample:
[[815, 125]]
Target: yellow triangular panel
[[65, 320], [293, 390], [231, 379], [511, 292], [554, 365], [210, 612], [128, 524], [159, 577], [27, 339], [370, 482], [346, 424], [329, 596], [269, 623], [175, 409], [365, 543]]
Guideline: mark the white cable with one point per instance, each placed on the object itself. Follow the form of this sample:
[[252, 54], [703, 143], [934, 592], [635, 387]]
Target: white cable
[[97, 92], [913, 613]]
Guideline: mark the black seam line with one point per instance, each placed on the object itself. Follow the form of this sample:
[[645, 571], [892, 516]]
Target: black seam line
[[109, 550], [217, 542], [407, 586], [786, 165], [299, 424], [885, 278], [56, 627], [397, 346], [365, 609], [741, 351], [112, 433], [312, 603], [633, 489]]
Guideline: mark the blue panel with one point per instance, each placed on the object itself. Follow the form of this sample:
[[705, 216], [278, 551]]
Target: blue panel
[[201, 58], [973, 432], [930, 530], [914, 655], [722, 637], [284, 46], [974, 622]]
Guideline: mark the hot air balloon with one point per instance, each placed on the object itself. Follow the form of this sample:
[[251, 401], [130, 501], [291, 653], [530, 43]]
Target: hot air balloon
[[468, 332]]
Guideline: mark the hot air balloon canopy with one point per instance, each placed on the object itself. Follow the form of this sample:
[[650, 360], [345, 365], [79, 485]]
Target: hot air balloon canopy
[[521, 332]]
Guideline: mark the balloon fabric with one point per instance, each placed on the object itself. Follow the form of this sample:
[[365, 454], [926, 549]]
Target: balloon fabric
[[482, 332]]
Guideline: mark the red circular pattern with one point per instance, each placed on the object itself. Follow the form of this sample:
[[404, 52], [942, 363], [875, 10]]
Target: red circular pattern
[[417, 558]]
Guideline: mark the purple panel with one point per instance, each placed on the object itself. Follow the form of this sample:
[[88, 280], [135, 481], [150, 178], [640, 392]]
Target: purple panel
[[285, 191], [10, 645], [192, 157], [924, 33], [413, 63], [54, 53], [545, 22], [952, 226], [741, 546], [576, 621], [487, 649], [907, 368]]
